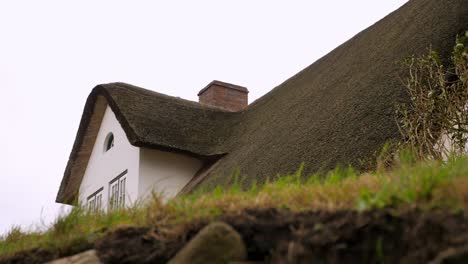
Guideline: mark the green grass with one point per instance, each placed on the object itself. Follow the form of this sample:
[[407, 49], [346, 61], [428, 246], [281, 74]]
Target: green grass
[[425, 184], [69, 232]]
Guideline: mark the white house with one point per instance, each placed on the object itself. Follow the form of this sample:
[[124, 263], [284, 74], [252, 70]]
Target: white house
[[108, 171], [119, 173], [338, 110]]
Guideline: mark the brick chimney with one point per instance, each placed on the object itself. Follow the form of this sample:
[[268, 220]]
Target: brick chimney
[[223, 95]]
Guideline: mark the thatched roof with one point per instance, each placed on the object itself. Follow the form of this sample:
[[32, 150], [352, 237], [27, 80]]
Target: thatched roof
[[150, 120], [339, 110]]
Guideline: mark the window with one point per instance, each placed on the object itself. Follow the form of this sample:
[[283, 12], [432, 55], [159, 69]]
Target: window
[[108, 142], [94, 201], [117, 191]]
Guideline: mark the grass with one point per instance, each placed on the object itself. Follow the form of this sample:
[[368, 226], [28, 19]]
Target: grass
[[425, 184]]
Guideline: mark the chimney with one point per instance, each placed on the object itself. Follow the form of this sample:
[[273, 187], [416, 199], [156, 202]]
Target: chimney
[[223, 95]]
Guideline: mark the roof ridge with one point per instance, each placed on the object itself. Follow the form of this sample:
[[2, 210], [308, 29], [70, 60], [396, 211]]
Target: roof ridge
[[177, 99]]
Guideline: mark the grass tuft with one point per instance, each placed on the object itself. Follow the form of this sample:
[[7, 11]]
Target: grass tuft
[[425, 184]]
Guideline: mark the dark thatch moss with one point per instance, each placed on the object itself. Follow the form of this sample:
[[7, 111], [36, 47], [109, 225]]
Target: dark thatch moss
[[339, 110]]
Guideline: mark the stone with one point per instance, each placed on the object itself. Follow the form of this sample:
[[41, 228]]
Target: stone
[[87, 257], [216, 243]]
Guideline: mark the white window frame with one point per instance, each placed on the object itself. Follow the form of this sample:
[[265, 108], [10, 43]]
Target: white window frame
[[94, 201], [117, 191]]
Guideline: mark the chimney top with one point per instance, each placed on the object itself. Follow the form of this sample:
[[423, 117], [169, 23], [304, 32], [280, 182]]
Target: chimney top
[[224, 84], [224, 95]]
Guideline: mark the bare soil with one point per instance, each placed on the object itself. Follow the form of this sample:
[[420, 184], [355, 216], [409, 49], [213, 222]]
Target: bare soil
[[281, 236]]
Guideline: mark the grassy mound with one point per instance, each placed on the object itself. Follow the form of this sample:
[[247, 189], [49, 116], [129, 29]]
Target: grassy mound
[[426, 185]]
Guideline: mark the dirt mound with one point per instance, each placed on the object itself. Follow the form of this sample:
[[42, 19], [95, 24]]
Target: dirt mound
[[281, 236], [284, 237]]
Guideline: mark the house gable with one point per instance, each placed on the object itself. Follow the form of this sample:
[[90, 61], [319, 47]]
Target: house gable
[[145, 170], [108, 162], [150, 120]]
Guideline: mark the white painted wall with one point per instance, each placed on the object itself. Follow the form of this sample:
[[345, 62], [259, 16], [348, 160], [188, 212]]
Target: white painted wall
[[148, 170], [165, 172], [105, 166], [448, 147]]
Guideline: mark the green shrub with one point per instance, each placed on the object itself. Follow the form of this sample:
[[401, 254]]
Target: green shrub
[[434, 123]]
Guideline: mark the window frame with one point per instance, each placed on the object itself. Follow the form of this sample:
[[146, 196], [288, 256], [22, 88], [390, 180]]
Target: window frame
[[94, 201], [117, 188], [109, 142]]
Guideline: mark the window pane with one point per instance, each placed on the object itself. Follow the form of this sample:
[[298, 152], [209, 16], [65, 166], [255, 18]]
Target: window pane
[[123, 200], [112, 201], [117, 195], [122, 192], [117, 191], [98, 202], [109, 142]]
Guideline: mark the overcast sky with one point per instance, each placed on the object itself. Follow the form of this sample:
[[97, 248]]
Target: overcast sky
[[52, 53]]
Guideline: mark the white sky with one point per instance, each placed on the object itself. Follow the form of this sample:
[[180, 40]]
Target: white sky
[[52, 53]]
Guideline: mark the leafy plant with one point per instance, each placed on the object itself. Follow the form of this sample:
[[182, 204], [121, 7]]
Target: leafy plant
[[434, 123]]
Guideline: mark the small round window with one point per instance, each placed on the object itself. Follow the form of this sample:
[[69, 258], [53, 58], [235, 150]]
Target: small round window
[[109, 142]]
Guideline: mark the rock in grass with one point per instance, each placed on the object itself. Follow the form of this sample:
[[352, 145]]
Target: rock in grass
[[87, 257], [216, 243]]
